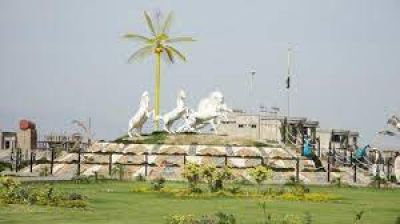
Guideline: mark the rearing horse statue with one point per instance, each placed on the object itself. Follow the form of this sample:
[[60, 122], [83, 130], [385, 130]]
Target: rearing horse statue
[[210, 111], [142, 114], [179, 112]]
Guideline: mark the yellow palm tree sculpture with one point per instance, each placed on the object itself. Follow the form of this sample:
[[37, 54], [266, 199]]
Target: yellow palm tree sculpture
[[159, 43]]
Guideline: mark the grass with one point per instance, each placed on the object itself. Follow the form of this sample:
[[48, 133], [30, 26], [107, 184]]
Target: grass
[[192, 139], [114, 202]]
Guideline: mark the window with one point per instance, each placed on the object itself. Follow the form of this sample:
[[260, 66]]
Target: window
[[253, 126], [336, 138], [240, 125], [228, 122], [7, 145]]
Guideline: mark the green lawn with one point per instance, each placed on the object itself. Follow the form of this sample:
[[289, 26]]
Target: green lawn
[[112, 202]]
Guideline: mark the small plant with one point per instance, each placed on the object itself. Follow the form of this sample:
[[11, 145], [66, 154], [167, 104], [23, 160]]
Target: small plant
[[83, 179], [179, 219], [218, 218], [44, 171], [358, 217], [225, 218], [337, 181], [75, 196], [260, 174], [140, 178], [119, 170], [158, 183], [234, 190], [378, 181], [307, 218]]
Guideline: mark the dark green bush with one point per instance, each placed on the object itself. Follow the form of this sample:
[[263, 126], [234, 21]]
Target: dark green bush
[[5, 166], [158, 183], [14, 193]]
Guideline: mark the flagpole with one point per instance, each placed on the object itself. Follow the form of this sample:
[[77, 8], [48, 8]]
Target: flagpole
[[289, 52], [288, 78]]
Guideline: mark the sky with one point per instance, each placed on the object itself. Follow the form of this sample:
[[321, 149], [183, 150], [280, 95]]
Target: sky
[[65, 59]]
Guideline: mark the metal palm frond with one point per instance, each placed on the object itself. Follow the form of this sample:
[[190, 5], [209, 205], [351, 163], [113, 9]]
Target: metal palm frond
[[150, 24], [176, 52], [137, 37], [180, 39], [168, 57], [167, 23], [141, 53]]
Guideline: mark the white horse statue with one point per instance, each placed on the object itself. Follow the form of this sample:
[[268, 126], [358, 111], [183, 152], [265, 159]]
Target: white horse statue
[[210, 111], [142, 114], [179, 112]]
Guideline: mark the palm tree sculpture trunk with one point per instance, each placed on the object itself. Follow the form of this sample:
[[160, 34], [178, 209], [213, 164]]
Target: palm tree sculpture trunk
[[157, 89]]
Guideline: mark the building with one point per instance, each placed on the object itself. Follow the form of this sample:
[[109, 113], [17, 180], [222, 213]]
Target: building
[[66, 142], [268, 127], [8, 140], [337, 139]]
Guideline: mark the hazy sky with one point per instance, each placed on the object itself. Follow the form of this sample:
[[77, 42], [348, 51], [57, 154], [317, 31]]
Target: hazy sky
[[64, 59]]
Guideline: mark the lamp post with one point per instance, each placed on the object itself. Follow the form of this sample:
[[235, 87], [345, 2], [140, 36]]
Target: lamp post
[[252, 74]]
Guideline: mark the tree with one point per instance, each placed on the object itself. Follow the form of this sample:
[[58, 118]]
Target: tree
[[260, 174], [159, 43]]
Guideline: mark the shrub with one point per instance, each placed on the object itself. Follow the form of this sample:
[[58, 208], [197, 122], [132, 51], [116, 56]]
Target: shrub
[[74, 197], [179, 219], [140, 178], [158, 183], [208, 172], [234, 190], [9, 183], [83, 179], [260, 174], [222, 175], [358, 217], [215, 177], [119, 170], [337, 181], [218, 218], [4, 166], [19, 194], [378, 181], [192, 173], [44, 171]]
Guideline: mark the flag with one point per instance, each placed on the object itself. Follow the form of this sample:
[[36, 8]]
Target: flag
[[289, 64], [288, 82]]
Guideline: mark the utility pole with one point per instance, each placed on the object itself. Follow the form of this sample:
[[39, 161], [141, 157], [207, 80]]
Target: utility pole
[[251, 87]]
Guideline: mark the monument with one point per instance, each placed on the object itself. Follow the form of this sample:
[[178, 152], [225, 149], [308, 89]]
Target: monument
[[211, 110]]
